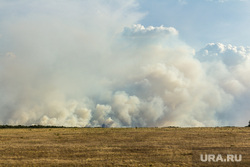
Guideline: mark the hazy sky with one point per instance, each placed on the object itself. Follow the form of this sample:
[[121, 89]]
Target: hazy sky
[[202, 21], [125, 63], [198, 22]]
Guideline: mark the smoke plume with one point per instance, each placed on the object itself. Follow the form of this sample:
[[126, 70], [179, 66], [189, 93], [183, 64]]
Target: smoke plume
[[88, 63]]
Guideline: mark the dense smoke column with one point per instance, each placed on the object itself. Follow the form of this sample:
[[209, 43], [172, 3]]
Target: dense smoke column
[[98, 66]]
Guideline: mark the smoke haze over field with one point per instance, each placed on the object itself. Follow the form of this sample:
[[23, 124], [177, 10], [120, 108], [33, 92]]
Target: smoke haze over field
[[90, 63]]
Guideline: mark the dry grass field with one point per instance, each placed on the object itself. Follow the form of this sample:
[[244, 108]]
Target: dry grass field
[[117, 146]]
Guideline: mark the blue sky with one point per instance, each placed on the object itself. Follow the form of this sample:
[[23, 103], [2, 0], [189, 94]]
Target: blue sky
[[201, 21]]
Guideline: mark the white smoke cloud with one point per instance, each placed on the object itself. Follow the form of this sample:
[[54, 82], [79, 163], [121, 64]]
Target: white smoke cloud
[[142, 32], [88, 63], [228, 54], [228, 65]]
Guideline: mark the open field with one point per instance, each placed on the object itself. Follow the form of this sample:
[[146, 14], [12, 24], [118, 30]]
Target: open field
[[117, 146]]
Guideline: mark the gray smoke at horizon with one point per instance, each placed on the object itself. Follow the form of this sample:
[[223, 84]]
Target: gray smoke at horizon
[[92, 63]]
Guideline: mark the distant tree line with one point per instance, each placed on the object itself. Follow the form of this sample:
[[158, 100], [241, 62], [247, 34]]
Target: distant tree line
[[30, 126], [51, 126]]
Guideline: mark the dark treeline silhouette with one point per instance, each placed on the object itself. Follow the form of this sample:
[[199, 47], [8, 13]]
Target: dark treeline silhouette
[[51, 126], [31, 126]]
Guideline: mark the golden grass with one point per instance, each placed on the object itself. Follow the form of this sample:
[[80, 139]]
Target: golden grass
[[114, 146]]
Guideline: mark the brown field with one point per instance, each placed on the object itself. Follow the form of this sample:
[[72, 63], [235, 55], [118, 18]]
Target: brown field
[[118, 146]]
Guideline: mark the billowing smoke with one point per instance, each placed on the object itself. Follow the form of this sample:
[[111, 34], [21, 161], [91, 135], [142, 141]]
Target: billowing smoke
[[91, 63]]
